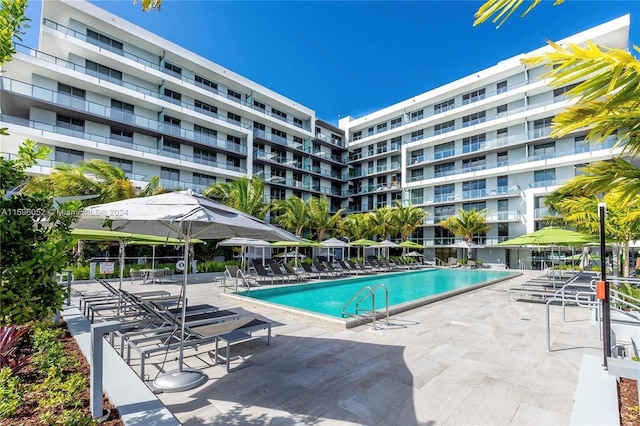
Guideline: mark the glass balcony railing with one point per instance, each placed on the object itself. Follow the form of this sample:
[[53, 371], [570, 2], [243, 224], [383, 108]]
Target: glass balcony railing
[[609, 143], [430, 112], [327, 139], [540, 212], [147, 63], [505, 216], [97, 139], [79, 104], [467, 195]]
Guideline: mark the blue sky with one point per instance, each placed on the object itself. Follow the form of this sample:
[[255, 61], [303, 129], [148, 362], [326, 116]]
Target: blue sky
[[352, 58]]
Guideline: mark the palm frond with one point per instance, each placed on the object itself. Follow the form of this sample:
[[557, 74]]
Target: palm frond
[[501, 10]]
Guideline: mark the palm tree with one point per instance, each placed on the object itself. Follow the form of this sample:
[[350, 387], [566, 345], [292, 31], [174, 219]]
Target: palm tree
[[93, 177], [382, 223], [244, 194], [407, 219], [294, 215], [622, 223], [356, 226], [321, 220], [467, 224]]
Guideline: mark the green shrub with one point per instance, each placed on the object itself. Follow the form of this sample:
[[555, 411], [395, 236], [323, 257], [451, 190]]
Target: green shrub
[[11, 392], [10, 339], [49, 351]]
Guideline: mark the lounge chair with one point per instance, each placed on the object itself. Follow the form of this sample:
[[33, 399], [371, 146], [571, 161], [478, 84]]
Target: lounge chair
[[235, 273], [348, 269], [453, 262], [311, 273], [168, 275], [329, 267], [322, 269], [157, 276], [280, 273], [138, 275], [289, 269], [264, 274], [360, 267]]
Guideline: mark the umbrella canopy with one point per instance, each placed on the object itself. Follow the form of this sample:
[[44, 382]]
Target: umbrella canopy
[[303, 243], [291, 254], [183, 214], [414, 254], [364, 242], [240, 242], [465, 245], [178, 214], [411, 245], [550, 236], [387, 243], [334, 243]]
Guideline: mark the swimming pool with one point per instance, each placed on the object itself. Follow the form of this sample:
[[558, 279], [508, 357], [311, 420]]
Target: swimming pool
[[405, 288]]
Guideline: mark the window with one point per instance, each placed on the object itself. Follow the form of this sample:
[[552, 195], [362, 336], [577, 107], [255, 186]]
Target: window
[[205, 108], [382, 127], [503, 158], [476, 95], [503, 181], [370, 131], [280, 133], [501, 110], [478, 117], [416, 174], [171, 147], [473, 143], [233, 117], [233, 95], [443, 212], [125, 165], [336, 139], [233, 162], [259, 126], [562, 90], [417, 135], [234, 139], [298, 122], [70, 123], [99, 71], [443, 106], [581, 145], [278, 113], [278, 193], [298, 142], [121, 135], [481, 205], [259, 105], [381, 147], [98, 39], [204, 180], [205, 131], [579, 169], [444, 192], [544, 177], [502, 133], [174, 69], [71, 91], [476, 163], [501, 87], [416, 115], [443, 150], [444, 127], [544, 150], [169, 174], [503, 231], [121, 110], [541, 127], [357, 135], [206, 84], [204, 156], [445, 169], [503, 205], [171, 96], [172, 121], [69, 156], [396, 122]]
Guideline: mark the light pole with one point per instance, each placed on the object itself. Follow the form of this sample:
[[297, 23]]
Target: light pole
[[603, 286]]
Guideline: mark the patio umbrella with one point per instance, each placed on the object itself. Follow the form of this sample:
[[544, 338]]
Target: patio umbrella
[[185, 215], [333, 243], [387, 244], [363, 242], [411, 245], [464, 244], [244, 243], [303, 242], [414, 254], [165, 242]]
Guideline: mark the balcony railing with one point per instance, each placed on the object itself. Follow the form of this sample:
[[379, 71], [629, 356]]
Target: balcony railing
[[109, 141], [147, 63], [430, 112]]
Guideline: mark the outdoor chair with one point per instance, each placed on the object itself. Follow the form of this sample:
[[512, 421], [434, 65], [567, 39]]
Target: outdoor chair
[[347, 268], [322, 269], [289, 269], [310, 272], [264, 274], [275, 268], [331, 269], [138, 275], [453, 262], [156, 276], [168, 275], [234, 272], [361, 268]]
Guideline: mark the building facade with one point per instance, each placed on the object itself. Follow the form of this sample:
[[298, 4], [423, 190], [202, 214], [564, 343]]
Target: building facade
[[100, 87], [482, 142]]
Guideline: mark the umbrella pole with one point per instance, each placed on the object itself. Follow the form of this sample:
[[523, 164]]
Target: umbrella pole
[[153, 257], [121, 274], [180, 380]]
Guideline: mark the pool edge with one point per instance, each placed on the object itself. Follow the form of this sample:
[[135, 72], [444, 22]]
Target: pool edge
[[352, 322]]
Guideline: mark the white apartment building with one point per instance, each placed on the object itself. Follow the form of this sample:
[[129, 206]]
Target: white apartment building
[[100, 87], [481, 141]]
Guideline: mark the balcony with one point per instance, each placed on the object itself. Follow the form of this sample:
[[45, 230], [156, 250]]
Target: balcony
[[147, 63], [87, 138], [329, 140], [505, 216]]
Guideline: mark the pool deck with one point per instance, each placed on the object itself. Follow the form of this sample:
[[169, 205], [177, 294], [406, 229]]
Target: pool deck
[[471, 359]]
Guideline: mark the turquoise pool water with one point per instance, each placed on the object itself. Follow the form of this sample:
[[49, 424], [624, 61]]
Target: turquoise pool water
[[329, 297]]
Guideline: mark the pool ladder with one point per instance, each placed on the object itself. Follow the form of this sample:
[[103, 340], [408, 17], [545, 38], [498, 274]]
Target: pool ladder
[[360, 297]]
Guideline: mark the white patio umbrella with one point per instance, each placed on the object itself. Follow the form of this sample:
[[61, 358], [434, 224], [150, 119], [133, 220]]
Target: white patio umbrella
[[464, 244], [333, 243], [186, 215], [387, 244], [244, 243], [414, 254]]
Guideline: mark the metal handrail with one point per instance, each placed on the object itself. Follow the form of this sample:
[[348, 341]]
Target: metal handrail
[[365, 288], [369, 292]]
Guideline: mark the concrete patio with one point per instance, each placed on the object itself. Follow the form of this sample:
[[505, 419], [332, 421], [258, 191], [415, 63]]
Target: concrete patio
[[471, 359]]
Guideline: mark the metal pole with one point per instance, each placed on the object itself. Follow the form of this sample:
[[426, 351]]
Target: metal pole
[[606, 313], [122, 245], [184, 299]]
